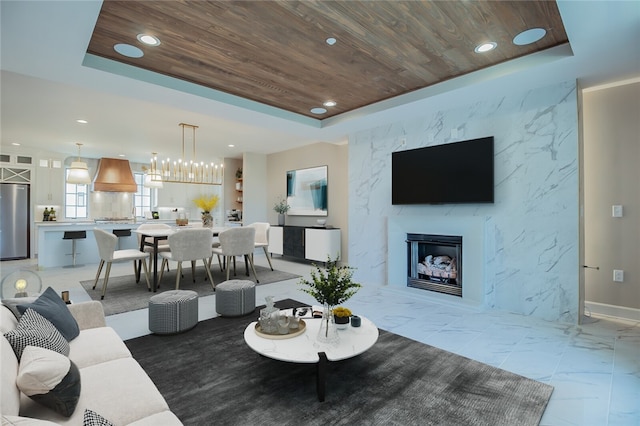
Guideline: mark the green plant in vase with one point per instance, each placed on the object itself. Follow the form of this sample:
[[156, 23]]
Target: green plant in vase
[[281, 207], [330, 286]]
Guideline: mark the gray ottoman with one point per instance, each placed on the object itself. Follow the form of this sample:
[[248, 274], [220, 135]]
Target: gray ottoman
[[173, 311], [235, 298]]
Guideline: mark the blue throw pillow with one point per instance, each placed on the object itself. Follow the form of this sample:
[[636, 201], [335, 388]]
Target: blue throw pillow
[[51, 306]]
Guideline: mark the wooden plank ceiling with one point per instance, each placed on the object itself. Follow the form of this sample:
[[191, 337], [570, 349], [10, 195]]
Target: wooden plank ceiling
[[274, 52]]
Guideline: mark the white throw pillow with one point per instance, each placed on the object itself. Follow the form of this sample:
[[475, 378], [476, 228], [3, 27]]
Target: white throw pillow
[[50, 379]]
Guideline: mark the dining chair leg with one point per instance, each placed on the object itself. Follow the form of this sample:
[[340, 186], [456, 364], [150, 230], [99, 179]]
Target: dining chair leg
[[136, 270], [253, 268], [178, 275], [162, 270], [193, 270], [106, 280], [98, 273], [209, 272], [146, 273], [228, 262], [266, 253], [220, 263]]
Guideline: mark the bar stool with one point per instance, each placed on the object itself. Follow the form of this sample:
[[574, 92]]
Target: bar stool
[[121, 233], [73, 236]]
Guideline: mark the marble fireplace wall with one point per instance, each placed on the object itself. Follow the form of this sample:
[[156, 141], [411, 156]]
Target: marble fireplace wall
[[525, 253]]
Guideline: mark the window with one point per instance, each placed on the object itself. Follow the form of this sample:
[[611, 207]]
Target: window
[[144, 197], [76, 200]]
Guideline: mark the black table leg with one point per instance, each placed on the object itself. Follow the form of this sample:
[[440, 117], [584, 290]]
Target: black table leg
[[321, 378], [155, 265]]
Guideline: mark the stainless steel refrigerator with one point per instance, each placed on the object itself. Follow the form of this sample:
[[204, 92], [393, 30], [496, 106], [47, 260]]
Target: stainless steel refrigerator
[[14, 221]]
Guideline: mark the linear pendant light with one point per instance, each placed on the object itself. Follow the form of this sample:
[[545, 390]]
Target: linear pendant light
[[152, 177], [183, 170], [79, 172]]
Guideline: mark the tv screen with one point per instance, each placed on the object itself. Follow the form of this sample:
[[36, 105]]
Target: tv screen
[[459, 172]]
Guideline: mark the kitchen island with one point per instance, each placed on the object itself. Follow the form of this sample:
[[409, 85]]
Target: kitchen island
[[54, 251]]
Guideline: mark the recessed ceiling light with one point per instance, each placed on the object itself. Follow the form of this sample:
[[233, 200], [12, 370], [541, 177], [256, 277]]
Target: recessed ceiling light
[[121, 155], [81, 121], [128, 50], [318, 110], [148, 39], [485, 47], [331, 41], [330, 103], [15, 144], [231, 145], [529, 36]]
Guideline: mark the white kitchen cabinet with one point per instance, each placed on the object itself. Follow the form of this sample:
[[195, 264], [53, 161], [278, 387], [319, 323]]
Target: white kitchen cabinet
[[50, 182]]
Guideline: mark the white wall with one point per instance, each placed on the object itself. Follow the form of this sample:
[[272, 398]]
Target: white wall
[[529, 250], [254, 172], [611, 176], [319, 154]]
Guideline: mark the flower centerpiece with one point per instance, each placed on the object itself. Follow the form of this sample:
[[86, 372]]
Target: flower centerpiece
[[341, 316], [330, 287], [207, 203], [281, 207]]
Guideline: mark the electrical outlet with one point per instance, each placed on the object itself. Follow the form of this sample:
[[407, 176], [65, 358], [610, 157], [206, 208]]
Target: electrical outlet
[[618, 275]]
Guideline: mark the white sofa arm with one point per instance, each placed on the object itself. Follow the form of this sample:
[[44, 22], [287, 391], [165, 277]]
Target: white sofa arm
[[88, 314]]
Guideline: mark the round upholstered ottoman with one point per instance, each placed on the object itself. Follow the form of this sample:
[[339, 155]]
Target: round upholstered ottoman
[[235, 298], [173, 311]]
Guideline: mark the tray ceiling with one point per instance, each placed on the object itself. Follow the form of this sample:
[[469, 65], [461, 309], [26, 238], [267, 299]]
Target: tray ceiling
[[275, 52]]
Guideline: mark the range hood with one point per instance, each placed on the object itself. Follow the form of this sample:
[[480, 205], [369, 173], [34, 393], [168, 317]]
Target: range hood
[[114, 175]]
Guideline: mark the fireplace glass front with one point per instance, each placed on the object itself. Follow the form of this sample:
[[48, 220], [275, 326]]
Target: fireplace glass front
[[434, 262]]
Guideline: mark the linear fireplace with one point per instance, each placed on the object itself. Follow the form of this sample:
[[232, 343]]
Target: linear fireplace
[[434, 262]]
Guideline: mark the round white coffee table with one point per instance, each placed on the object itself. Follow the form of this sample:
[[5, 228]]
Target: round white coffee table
[[306, 349]]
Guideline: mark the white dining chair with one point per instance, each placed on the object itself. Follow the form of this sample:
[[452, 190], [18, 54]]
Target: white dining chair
[[189, 245], [108, 254], [237, 242], [262, 238]]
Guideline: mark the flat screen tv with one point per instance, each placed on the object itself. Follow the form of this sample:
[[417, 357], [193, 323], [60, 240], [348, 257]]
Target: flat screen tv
[[458, 172]]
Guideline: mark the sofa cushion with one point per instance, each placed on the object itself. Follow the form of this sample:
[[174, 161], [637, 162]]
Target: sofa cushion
[[164, 418], [91, 418], [9, 392], [12, 304], [34, 330], [97, 345], [24, 421], [50, 379], [7, 319], [51, 306], [120, 390]]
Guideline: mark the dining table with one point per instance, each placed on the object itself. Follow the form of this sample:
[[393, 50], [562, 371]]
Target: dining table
[[153, 236]]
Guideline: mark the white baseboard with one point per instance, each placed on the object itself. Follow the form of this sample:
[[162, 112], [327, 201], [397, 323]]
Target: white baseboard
[[612, 310]]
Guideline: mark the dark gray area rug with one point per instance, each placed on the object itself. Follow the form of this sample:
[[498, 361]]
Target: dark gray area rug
[[124, 294], [208, 375]]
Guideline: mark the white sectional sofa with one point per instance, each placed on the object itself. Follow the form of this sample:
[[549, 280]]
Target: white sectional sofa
[[113, 384]]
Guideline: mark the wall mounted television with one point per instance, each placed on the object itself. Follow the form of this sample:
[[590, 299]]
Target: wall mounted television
[[453, 173], [307, 191]]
